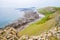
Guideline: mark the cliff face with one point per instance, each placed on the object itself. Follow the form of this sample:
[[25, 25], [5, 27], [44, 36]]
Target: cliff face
[[28, 17]]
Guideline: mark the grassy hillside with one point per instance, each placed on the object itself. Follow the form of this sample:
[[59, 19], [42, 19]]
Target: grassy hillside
[[42, 25], [48, 10], [37, 29]]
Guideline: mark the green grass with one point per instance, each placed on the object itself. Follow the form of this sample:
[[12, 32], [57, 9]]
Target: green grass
[[40, 26], [43, 20], [46, 11], [53, 38], [37, 29], [57, 8]]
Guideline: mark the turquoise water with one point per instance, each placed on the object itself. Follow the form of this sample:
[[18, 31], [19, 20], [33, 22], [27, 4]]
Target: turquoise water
[[8, 15]]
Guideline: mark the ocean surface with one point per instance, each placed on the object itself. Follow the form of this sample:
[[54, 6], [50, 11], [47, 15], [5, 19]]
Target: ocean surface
[[8, 15]]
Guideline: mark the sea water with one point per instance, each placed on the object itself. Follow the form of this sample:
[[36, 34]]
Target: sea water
[[8, 15]]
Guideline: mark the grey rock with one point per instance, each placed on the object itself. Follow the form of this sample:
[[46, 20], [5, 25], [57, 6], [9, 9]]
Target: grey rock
[[28, 17]]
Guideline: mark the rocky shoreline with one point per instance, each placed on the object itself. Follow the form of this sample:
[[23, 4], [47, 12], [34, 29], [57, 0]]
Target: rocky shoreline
[[10, 31], [21, 23]]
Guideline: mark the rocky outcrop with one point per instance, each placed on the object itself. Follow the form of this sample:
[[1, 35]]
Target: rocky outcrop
[[52, 34], [9, 33], [28, 17]]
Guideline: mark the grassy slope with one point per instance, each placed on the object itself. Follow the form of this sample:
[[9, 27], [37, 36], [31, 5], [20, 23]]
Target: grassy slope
[[37, 29], [40, 26], [53, 38]]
